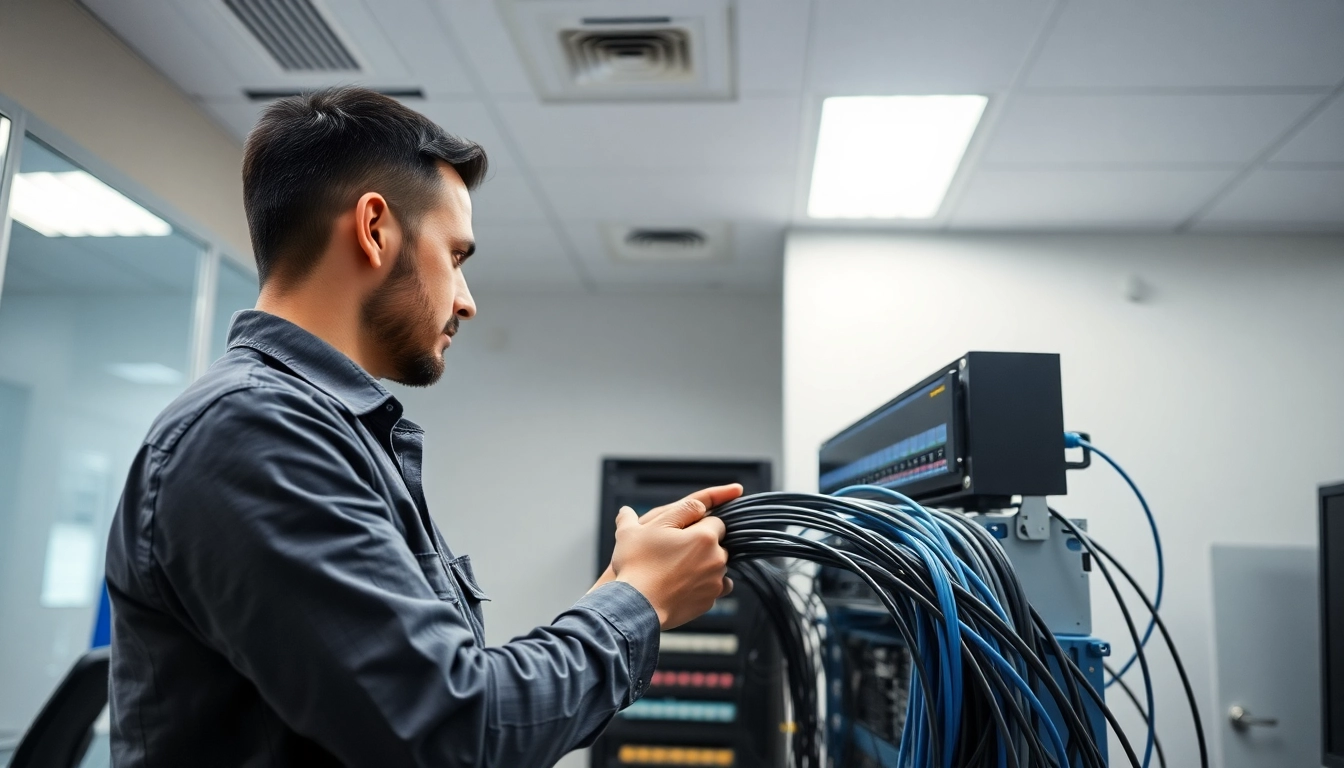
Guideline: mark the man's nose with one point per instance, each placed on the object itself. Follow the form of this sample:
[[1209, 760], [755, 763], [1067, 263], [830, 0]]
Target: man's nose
[[464, 306]]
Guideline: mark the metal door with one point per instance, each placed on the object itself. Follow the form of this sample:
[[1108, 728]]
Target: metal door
[[1265, 629]]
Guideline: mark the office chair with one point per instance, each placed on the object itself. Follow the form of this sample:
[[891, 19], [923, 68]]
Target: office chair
[[61, 733]]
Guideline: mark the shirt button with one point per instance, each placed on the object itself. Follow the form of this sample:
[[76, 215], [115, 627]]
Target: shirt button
[[388, 407]]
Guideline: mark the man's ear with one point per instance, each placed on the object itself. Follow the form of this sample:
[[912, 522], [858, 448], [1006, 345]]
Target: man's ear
[[376, 229]]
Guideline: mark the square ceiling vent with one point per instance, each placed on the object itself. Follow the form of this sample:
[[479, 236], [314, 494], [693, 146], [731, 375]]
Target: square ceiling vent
[[668, 244], [636, 49]]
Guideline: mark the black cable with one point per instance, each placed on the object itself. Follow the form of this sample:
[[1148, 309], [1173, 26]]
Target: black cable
[[1092, 545], [801, 662], [877, 546], [1129, 692], [1005, 633]]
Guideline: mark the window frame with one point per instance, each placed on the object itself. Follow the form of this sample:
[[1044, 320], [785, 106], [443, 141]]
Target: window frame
[[23, 123]]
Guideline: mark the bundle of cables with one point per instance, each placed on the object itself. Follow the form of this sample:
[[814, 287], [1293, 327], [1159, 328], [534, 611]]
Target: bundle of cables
[[981, 692]]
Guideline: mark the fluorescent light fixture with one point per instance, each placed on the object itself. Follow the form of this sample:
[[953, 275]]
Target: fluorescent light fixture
[[889, 157], [145, 373], [75, 204]]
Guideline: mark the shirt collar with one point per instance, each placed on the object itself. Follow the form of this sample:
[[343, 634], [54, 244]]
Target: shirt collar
[[312, 360]]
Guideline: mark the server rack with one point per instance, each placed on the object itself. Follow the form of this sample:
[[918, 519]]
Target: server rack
[[717, 696]]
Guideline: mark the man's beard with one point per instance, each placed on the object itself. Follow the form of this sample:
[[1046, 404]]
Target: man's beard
[[398, 313]]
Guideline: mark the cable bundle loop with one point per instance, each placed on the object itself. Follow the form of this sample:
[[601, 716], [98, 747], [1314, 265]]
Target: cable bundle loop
[[981, 692]]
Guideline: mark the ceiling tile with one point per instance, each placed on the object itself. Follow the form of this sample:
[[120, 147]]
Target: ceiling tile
[[1246, 43], [1320, 141], [420, 43], [860, 47], [236, 114], [1280, 198], [770, 35], [159, 32], [520, 255], [470, 120], [752, 133], [1147, 128], [209, 53], [479, 29], [753, 263], [1117, 199], [692, 195], [506, 196]]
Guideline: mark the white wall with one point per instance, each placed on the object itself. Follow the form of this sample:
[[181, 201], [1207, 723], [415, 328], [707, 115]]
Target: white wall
[[540, 388], [1223, 394], [59, 62]]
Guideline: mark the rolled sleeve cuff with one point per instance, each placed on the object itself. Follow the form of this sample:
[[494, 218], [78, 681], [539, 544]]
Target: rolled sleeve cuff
[[626, 609]]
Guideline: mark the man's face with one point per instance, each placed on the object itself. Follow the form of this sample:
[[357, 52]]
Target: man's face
[[417, 309]]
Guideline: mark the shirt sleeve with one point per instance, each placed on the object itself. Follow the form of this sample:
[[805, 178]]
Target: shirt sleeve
[[271, 540]]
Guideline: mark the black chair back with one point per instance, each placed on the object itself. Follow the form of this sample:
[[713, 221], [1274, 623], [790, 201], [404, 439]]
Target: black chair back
[[60, 735]]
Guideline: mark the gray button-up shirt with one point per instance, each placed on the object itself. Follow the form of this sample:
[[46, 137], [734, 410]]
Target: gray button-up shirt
[[280, 595]]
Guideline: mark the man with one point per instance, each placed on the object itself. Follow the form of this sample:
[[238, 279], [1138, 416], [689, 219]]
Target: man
[[280, 594]]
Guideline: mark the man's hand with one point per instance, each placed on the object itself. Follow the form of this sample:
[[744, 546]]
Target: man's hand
[[673, 555]]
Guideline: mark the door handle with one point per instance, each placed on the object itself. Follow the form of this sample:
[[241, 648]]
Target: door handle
[[1242, 721]]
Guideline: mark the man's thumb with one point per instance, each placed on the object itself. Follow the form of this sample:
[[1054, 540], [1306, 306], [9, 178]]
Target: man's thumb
[[626, 517]]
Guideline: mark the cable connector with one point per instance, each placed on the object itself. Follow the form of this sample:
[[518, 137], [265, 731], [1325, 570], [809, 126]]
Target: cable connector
[[1079, 440]]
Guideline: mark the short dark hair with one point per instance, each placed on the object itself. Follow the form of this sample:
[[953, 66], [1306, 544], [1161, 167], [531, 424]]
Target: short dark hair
[[311, 157]]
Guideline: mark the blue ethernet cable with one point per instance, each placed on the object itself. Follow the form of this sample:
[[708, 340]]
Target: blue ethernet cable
[[934, 548], [1008, 668], [1075, 440]]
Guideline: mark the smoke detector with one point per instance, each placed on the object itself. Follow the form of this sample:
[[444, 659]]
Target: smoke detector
[[634, 49], [680, 243]]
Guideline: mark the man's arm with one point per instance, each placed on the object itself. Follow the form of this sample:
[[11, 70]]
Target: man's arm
[[284, 559]]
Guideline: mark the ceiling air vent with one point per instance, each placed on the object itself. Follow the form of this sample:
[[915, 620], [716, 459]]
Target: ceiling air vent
[[703, 242], [665, 238], [584, 50], [295, 34], [272, 94], [628, 56]]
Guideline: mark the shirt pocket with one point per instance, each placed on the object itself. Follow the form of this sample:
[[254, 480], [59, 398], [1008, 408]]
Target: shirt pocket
[[431, 565], [471, 591]]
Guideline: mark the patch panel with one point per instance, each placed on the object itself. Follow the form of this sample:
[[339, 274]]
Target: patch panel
[[678, 709], [683, 678], [698, 642], [640, 754]]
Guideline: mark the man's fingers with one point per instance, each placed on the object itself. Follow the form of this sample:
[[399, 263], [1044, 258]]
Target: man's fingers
[[719, 494], [727, 587], [707, 499], [683, 514], [626, 517]]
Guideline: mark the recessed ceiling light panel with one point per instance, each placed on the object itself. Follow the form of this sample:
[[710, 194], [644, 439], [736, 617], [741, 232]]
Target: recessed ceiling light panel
[[889, 157], [75, 204]]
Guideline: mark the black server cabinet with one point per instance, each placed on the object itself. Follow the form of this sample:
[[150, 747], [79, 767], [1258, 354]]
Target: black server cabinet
[[717, 697]]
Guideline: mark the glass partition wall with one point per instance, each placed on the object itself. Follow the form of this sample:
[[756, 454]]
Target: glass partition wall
[[109, 305]]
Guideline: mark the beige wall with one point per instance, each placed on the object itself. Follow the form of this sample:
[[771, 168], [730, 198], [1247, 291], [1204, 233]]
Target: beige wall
[[60, 63]]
